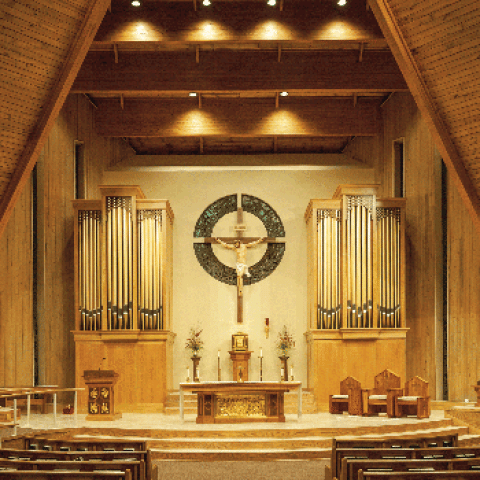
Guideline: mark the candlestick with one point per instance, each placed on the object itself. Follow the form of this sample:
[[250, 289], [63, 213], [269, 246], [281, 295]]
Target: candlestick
[[261, 368]]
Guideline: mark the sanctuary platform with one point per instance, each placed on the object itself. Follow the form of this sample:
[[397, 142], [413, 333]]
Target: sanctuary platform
[[308, 437]]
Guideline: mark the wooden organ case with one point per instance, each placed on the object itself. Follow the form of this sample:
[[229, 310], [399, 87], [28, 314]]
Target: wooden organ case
[[123, 292], [356, 288]]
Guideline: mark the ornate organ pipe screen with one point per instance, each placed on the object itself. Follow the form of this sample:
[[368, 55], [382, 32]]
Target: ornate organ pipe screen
[[123, 255], [329, 274], [149, 231], [359, 285], [356, 260], [389, 267], [89, 276], [119, 263]]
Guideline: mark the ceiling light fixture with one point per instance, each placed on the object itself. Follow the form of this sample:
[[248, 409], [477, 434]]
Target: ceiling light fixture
[[284, 94], [342, 3], [272, 3], [136, 3], [207, 2], [192, 94]]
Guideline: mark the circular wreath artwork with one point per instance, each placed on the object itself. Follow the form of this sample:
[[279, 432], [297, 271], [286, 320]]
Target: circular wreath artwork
[[218, 209]]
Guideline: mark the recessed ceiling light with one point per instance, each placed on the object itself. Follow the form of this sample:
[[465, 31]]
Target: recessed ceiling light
[[207, 2], [192, 94], [272, 3], [136, 3], [284, 94], [342, 3]]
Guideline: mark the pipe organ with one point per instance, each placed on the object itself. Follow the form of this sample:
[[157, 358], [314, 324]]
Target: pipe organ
[[356, 285], [123, 289]]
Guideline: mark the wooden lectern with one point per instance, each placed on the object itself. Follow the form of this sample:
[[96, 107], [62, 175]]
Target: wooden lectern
[[101, 396]]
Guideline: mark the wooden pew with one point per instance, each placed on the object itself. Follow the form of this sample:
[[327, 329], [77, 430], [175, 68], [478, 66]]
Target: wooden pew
[[52, 475], [87, 456], [360, 446], [136, 467], [439, 475], [351, 467], [90, 444]]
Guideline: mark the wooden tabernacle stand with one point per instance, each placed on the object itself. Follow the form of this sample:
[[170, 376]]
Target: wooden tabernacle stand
[[123, 295], [356, 288], [101, 394]]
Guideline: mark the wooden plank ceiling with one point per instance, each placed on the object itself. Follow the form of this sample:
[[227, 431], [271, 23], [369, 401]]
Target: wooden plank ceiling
[[237, 57], [437, 45], [42, 45]]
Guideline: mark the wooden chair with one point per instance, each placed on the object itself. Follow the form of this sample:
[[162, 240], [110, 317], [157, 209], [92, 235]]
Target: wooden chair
[[414, 400], [350, 398], [381, 398]]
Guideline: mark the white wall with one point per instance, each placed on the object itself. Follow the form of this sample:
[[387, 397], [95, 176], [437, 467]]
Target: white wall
[[201, 300]]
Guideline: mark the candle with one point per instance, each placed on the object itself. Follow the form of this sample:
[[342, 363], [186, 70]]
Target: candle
[[282, 372], [291, 371], [219, 354], [188, 372], [261, 353]]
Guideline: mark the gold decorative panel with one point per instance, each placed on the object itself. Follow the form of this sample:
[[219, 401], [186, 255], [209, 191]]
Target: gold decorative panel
[[240, 406]]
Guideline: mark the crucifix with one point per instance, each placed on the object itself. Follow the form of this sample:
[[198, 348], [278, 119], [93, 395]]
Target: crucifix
[[240, 244]]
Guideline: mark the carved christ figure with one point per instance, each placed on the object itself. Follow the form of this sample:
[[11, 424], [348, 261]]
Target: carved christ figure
[[241, 251]]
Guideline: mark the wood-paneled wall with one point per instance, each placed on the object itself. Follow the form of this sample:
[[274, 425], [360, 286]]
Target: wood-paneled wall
[[16, 307], [55, 253], [402, 119], [55, 239], [463, 298]]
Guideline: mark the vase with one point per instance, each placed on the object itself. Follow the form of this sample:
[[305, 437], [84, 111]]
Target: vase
[[284, 377]]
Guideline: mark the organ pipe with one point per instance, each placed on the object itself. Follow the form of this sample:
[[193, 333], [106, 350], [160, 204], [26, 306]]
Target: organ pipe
[[122, 261], [359, 257]]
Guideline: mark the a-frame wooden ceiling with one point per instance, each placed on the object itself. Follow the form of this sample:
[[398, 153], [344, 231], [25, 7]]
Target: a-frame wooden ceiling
[[237, 56]]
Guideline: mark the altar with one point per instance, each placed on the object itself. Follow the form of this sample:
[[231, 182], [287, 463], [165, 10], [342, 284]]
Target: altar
[[240, 402]]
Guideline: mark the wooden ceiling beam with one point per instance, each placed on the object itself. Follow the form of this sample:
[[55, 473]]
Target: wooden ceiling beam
[[427, 105], [219, 71], [59, 87], [313, 117], [176, 22]]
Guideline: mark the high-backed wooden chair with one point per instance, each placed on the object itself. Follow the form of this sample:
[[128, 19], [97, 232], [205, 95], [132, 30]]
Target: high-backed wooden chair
[[350, 398], [381, 398], [414, 400]]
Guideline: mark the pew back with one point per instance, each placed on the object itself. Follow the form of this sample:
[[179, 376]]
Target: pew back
[[439, 475], [351, 468]]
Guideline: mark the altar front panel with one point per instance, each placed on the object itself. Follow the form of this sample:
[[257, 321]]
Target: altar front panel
[[143, 361], [360, 353]]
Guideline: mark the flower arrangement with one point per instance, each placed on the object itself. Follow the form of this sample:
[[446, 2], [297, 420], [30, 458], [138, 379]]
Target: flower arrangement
[[194, 342], [285, 342]]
